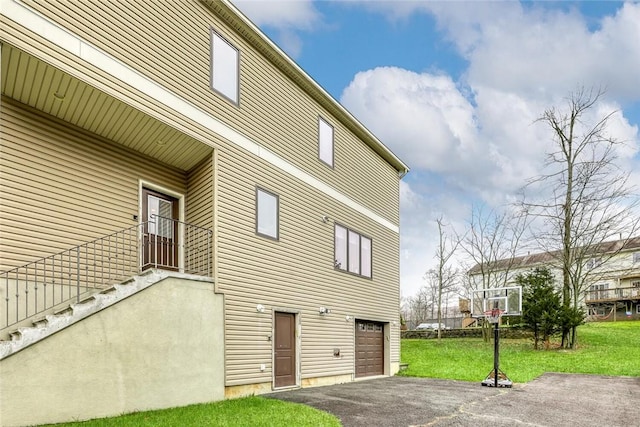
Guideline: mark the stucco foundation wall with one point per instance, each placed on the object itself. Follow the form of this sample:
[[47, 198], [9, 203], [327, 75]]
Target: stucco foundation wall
[[162, 347]]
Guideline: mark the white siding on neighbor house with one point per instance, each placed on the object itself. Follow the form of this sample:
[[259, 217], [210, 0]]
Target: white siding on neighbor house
[[62, 186]]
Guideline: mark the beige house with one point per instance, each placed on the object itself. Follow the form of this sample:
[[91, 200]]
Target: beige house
[[185, 215], [612, 286]]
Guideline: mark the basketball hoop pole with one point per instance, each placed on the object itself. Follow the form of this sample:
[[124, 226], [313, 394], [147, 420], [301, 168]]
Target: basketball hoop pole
[[494, 377], [496, 353], [491, 304]]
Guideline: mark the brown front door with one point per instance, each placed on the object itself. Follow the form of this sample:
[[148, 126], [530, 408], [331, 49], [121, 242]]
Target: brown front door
[[369, 348], [285, 350], [160, 233]]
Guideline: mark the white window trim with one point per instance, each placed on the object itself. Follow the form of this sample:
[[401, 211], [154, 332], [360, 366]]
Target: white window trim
[[181, 215]]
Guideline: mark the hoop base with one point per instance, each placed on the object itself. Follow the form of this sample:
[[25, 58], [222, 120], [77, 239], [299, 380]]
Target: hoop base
[[503, 380]]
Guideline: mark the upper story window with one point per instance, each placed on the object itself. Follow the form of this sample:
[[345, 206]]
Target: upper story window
[[594, 262], [636, 257], [353, 252], [267, 216], [225, 67], [325, 141]]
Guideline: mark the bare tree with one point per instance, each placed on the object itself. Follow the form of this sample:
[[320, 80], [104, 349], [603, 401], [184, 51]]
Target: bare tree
[[492, 242], [419, 307], [430, 288], [590, 202], [445, 273]]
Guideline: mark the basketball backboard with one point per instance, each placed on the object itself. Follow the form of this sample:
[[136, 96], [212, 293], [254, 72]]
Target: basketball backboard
[[508, 300]]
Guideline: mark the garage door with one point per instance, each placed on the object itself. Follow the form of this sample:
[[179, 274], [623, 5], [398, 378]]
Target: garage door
[[369, 348]]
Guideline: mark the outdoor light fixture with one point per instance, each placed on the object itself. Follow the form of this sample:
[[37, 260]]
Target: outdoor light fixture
[[325, 219], [260, 308], [324, 310], [348, 318]]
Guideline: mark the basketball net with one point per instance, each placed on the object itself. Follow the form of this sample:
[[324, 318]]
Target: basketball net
[[493, 315]]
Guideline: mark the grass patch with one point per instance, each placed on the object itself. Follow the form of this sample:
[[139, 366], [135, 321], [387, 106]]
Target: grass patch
[[603, 348], [249, 411]]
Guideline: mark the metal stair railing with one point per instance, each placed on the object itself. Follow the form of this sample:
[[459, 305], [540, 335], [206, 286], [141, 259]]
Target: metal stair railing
[[65, 277]]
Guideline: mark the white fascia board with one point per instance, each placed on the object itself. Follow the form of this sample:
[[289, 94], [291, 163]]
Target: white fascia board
[[28, 18]]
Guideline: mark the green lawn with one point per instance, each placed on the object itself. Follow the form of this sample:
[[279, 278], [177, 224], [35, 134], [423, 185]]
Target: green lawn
[[250, 411], [603, 348]]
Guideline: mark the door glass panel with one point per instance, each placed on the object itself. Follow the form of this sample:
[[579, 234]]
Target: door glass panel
[[153, 207], [165, 226], [158, 207]]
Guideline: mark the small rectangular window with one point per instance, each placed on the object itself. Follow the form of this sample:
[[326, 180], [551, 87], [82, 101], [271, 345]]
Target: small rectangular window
[[225, 60], [325, 142], [353, 252], [267, 213], [636, 257], [594, 263]]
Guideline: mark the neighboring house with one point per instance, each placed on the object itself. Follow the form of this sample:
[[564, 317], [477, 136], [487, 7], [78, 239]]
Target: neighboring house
[[612, 288], [251, 221]]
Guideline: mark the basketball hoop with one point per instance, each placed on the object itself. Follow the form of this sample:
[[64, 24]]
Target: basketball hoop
[[493, 315], [496, 377]]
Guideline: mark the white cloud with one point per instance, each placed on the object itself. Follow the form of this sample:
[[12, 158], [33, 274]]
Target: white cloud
[[287, 17], [484, 146], [419, 210], [426, 120], [535, 49], [292, 14], [424, 116]]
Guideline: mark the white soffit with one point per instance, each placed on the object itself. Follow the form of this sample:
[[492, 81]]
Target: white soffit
[[73, 44]]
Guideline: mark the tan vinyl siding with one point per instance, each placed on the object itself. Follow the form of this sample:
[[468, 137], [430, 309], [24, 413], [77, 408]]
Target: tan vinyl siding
[[61, 186], [200, 195], [294, 273], [170, 44]]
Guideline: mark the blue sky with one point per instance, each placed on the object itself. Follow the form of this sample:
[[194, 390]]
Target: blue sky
[[454, 89]]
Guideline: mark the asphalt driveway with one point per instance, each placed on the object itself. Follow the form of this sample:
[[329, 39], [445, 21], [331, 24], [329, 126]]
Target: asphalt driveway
[[550, 400]]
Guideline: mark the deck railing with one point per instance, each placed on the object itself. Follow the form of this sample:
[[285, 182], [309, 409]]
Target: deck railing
[[613, 294], [64, 277]]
